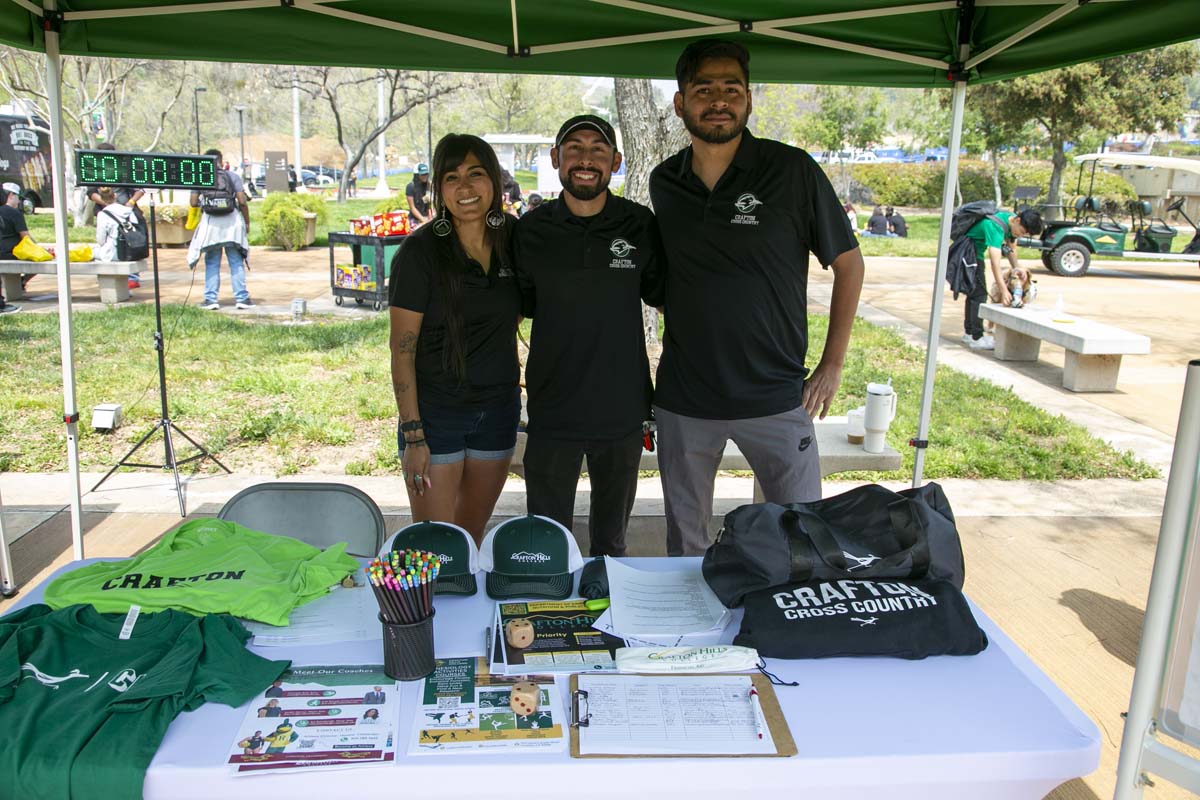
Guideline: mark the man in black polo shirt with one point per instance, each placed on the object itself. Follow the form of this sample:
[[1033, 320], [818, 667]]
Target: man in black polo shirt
[[585, 262], [739, 216]]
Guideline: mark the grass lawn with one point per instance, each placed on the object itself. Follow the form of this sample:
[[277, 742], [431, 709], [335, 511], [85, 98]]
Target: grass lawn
[[273, 398]]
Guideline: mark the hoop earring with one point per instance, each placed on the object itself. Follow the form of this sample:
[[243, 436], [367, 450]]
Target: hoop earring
[[495, 219], [442, 227]]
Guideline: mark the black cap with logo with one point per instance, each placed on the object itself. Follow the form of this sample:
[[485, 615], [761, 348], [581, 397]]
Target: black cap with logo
[[587, 122]]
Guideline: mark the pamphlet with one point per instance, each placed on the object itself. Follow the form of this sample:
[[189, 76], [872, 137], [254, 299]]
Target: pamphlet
[[319, 717], [565, 639], [343, 615], [465, 709]]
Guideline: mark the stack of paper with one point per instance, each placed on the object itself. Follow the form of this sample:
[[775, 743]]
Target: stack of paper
[[661, 609], [343, 615]]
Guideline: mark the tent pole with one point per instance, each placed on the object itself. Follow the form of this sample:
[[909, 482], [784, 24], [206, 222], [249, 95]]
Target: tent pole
[[935, 312], [1178, 526], [8, 583], [61, 245]]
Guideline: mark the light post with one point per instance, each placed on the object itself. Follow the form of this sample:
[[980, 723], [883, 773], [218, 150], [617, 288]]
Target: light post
[[196, 110], [242, 137]]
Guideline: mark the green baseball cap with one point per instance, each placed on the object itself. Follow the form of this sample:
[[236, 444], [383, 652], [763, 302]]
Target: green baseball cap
[[455, 547], [530, 556]]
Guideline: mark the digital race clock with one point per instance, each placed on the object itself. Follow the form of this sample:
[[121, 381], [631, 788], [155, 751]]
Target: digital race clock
[[144, 170]]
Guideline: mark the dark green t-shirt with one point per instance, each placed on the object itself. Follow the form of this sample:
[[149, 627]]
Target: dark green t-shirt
[[83, 711]]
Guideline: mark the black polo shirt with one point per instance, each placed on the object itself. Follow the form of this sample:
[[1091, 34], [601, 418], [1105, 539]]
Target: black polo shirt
[[736, 294], [582, 280], [491, 305]]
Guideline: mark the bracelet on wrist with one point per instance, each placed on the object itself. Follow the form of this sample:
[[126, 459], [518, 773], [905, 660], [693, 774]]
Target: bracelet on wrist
[[412, 425], [414, 442]]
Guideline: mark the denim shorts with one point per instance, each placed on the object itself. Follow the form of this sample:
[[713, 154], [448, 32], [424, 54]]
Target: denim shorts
[[488, 434]]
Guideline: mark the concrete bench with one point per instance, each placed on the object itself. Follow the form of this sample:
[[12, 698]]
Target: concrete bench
[[113, 276], [1094, 349], [837, 455]]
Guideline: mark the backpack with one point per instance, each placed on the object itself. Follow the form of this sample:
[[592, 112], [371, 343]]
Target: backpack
[[132, 242], [961, 259], [221, 199]]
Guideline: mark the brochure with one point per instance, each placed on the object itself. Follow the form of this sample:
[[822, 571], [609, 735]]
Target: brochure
[[319, 717], [464, 708], [565, 639]]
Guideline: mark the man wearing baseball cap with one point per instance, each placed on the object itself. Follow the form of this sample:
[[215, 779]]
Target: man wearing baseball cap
[[585, 263], [417, 194], [13, 228]]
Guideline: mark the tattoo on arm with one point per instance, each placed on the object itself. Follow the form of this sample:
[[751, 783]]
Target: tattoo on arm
[[407, 343]]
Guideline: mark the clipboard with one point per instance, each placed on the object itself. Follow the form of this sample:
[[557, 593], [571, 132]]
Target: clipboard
[[785, 746]]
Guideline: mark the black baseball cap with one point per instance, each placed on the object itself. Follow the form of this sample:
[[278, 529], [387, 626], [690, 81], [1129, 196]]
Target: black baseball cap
[[589, 122], [453, 545], [530, 556]]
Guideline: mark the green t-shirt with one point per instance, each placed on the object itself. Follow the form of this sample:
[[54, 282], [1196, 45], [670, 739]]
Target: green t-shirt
[[987, 233], [84, 711], [210, 566]]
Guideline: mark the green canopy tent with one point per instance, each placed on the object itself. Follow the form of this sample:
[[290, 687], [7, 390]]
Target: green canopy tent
[[940, 43]]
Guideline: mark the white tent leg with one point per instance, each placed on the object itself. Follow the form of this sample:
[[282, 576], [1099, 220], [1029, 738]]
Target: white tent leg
[[65, 332], [8, 582], [935, 312], [1178, 524]]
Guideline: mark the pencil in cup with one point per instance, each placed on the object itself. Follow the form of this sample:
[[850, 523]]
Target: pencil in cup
[[404, 584]]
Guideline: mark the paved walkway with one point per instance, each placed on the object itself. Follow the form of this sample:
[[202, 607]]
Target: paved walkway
[[1063, 567]]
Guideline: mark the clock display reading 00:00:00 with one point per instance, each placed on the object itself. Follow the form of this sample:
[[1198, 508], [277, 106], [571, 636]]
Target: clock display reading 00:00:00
[[145, 170]]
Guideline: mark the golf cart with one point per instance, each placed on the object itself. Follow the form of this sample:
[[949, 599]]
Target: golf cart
[[1068, 245]]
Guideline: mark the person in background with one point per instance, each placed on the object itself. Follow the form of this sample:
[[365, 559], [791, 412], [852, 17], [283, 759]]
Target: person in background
[[513, 204], [13, 229], [877, 225], [454, 312], [897, 225], [352, 184], [293, 178], [124, 196], [417, 194], [994, 237], [111, 215], [851, 214], [222, 231], [739, 217]]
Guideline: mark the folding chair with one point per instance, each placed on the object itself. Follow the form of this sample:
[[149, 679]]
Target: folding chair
[[320, 514]]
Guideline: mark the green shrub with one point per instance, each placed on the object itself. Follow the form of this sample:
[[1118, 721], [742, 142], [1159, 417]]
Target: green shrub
[[284, 226], [312, 203], [920, 185], [397, 202]]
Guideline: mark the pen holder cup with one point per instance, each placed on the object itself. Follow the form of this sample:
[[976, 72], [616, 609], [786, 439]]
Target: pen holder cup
[[408, 649]]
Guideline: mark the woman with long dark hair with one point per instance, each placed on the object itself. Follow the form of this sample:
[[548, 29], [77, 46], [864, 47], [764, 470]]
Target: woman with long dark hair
[[454, 312]]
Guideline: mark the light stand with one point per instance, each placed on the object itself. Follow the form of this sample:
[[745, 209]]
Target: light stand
[[7, 587], [164, 423]]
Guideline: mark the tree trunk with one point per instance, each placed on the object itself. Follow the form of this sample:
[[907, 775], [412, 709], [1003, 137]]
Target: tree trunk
[[650, 134], [996, 179], [1059, 162]]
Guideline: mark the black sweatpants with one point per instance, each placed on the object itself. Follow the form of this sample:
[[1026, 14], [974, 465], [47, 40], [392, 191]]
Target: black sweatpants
[[552, 472], [972, 322]]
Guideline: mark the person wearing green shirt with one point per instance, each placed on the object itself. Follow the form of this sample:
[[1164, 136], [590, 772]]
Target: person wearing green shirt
[[993, 236]]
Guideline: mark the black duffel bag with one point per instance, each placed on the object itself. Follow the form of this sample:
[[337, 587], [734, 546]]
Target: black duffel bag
[[867, 532]]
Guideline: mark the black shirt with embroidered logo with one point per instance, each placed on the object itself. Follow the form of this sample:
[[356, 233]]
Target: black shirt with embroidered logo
[[583, 280], [491, 305], [736, 289]]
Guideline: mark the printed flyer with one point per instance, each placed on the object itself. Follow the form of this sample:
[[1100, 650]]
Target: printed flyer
[[564, 638], [465, 709], [319, 717]]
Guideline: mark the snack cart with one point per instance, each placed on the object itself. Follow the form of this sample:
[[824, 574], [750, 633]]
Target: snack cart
[[372, 242]]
